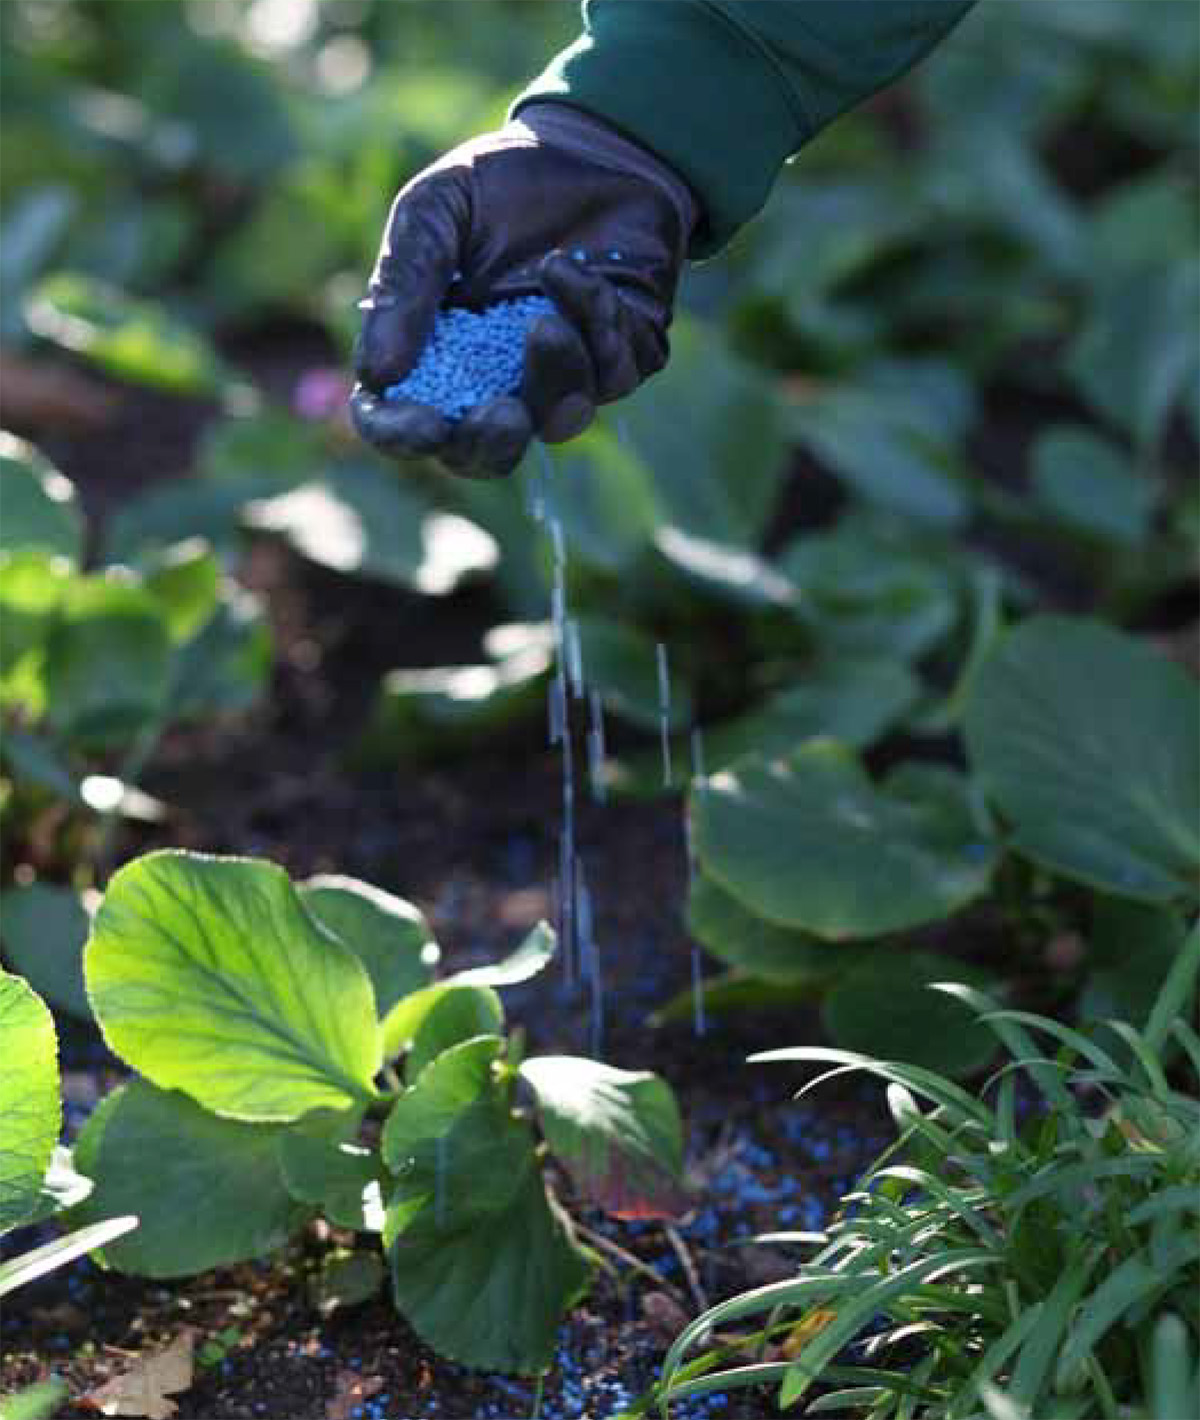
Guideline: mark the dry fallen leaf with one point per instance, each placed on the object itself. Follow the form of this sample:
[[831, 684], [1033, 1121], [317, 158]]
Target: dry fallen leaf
[[142, 1390], [663, 1315]]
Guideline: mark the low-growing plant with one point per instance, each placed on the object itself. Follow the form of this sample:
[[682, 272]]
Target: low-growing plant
[[97, 664], [1028, 1252], [297, 1057], [37, 1180], [1082, 768]]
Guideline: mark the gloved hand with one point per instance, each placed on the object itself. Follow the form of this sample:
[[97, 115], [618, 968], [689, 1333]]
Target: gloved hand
[[555, 203]]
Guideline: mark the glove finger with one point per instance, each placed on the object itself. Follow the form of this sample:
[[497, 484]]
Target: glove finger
[[558, 385], [416, 263], [491, 439], [401, 428], [591, 304]]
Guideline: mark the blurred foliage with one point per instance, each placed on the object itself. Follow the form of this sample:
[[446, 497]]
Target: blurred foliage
[[951, 376]]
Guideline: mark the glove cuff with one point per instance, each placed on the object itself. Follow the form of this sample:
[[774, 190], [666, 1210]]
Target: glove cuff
[[571, 130]]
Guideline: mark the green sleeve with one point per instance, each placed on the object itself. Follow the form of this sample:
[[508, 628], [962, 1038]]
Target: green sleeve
[[726, 90]]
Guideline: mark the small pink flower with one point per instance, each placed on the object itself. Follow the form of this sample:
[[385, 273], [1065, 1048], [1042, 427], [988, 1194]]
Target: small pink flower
[[321, 393]]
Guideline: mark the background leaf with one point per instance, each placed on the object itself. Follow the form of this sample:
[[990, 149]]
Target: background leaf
[[1086, 740], [808, 842], [43, 927]]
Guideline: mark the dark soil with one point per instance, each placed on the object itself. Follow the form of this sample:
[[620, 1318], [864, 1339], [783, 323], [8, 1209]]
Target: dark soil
[[473, 843]]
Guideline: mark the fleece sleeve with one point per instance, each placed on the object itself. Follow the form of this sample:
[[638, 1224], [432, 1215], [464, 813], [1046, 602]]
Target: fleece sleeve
[[725, 91]]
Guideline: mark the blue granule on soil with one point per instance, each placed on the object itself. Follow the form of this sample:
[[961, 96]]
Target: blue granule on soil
[[472, 356]]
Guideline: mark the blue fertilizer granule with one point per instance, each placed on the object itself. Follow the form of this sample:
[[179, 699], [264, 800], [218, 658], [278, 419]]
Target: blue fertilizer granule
[[472, 356]]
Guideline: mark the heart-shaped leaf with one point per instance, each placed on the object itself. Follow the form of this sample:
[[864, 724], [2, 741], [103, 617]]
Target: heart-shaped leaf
[[390, 936], [808, 842], [617, 1132], [1086, 740], [30, 1109], [490, 1296], [208, 975], [207, 1191], [43, 928]]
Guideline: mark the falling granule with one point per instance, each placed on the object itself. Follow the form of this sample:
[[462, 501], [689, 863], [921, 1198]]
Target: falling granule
[[589, 955], [698, 771], [556, 710], [596, 747], [664, 711], [698, 1022], [575, 659]]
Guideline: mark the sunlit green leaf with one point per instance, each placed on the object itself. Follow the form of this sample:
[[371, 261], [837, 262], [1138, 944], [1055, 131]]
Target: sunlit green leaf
[[30, 1109], [189, 953]]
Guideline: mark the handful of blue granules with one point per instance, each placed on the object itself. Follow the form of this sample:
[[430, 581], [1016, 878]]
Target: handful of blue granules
[[472, 356]]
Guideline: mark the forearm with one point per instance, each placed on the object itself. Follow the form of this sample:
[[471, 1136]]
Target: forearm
[[725, 91]]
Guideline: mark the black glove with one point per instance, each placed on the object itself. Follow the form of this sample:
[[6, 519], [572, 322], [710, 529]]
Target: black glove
[[555, 203]]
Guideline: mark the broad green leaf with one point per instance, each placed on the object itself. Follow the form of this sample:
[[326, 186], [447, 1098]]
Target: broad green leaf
[[885, 1008], [389, 935], [207, 975], [207, 1192], [226, 667], [873, 589], [40, 511], [132, 339], [710, 430], [267, 448], [454, 1142], [43, 927], [455, 1012], [33, 226], [617, 1133], [490, 1296], [855, 701], [323, 1165], [185, 580], [809, 842], [523, 963], [30, 1109], [479, 1005], [428, 712], [360, 519], [1084, 482], [1138, 349], [107, 661], [885, 456], [760, 948], [1086, 740], [459, 1077]]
